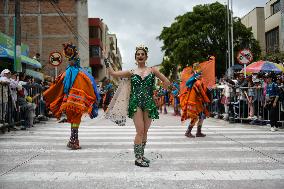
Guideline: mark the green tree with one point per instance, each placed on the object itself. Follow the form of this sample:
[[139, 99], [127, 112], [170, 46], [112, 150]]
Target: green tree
[[276, 57], [194, 36]]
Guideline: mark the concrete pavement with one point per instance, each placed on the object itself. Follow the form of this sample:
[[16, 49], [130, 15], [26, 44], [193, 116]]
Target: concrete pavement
[[231, 156]]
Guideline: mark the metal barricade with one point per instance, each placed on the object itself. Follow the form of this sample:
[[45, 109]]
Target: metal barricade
[[7, 111], [239, 106], [35, 92], [216, 107]]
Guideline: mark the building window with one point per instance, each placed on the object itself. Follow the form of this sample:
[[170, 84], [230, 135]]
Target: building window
[[95, 32], [272, 40], [275, 7], [95, 51]]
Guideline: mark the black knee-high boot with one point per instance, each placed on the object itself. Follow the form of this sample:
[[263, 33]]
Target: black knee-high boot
[[144, 158], [72, 139], [188, 132], [199, 133], [77, 145], [138, 151], [74, 142]]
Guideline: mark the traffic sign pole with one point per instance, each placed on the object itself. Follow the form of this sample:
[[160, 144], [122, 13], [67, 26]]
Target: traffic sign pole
[[245, 68], [56, 71]]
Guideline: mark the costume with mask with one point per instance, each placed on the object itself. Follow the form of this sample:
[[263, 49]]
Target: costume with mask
[[74, 93]]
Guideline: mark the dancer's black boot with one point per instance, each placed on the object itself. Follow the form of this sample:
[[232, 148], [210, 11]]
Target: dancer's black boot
[[74, 142], [138, 151], [199, 133], [188, 132], [72, 139], [144, 158]]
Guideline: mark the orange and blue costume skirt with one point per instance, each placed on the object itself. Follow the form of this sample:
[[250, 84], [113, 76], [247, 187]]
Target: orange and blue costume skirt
[[82, 98]]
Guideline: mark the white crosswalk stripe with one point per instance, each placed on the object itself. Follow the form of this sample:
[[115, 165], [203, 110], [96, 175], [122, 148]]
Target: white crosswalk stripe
[[226, 154]]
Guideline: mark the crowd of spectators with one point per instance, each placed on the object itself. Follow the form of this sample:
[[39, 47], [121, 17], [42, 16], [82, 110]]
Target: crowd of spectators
[[21, 102], [256, 99]]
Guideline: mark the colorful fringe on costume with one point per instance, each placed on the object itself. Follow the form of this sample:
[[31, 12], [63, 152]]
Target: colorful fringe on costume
[[80, 99], [192, 101]]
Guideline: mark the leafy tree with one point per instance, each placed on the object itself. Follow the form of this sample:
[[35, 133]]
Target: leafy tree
[[196, 35], [276, 57]]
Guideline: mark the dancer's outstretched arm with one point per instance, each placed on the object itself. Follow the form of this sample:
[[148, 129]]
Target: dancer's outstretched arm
[[113, 73]]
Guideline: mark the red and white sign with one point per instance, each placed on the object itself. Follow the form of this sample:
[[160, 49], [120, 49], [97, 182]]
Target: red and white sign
[[245, 56], [55, 58]]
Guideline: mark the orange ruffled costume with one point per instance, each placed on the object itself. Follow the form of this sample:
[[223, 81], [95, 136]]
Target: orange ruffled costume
[[79, 100], [192, 101]]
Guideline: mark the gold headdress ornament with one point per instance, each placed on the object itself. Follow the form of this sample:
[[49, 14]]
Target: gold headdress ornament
[[142, 47], [69, 51], [196, 67]]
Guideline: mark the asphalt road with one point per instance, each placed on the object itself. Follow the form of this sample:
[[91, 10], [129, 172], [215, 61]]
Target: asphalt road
[[230, 156]]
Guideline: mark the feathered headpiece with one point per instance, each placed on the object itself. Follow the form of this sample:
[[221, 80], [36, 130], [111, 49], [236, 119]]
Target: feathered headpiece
[[142, 47], [69, 51]]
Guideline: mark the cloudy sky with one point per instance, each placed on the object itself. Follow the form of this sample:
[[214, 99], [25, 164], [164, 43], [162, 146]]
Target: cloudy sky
[[140, 22]]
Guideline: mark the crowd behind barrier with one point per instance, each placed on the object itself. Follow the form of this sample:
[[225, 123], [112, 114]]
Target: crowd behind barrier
[[240, 100], [244, 105], [21, 101]]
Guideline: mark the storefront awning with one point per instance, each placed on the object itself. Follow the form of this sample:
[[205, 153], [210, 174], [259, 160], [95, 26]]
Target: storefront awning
[[30, 61], [6, 53], [35, 74]]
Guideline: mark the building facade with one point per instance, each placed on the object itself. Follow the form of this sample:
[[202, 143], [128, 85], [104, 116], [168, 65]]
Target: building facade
[[96, 46], [255, 20], [114, 54], [267, 25], [102, 44], [273, 26], [46, 25]]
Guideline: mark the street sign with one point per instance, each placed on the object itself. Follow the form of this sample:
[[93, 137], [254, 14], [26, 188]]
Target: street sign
[[55, 58], [245, 56]]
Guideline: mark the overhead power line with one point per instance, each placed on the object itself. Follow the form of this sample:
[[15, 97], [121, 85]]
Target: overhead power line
[[68, 23]]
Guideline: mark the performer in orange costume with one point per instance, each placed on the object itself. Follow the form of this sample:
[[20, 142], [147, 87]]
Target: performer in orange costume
[[74, 92], [194, 104]]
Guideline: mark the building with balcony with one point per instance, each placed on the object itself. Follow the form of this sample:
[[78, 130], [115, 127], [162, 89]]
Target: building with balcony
[[102, 43], [96, 46]]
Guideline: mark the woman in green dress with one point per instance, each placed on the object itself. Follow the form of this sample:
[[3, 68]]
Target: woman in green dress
[[141, 108]]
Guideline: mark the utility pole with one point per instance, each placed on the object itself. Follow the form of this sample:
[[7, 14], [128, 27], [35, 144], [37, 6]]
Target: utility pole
[[228, 32], [17, 37], [232, 34]]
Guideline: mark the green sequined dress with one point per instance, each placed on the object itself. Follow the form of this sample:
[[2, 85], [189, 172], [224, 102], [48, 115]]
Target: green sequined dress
[[141, 95]]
